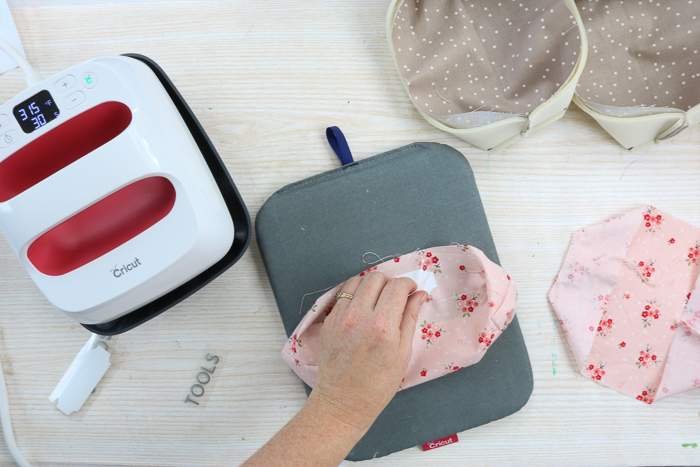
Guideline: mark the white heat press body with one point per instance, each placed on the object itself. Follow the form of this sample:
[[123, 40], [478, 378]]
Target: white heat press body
[[112, 195]]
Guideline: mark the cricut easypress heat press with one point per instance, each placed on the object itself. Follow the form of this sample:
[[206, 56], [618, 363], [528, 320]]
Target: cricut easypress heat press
[[112, 195]]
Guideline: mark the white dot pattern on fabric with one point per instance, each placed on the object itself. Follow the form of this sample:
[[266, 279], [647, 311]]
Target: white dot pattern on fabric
[[641, 53], [470, 63]]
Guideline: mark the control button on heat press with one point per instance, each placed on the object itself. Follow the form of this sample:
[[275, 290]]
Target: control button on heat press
[[89, 80], [74, 100], [64, 84], [4, 121], [8, 138]]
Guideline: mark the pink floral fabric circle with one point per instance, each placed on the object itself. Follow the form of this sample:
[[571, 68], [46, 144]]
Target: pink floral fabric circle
[[472, 301], [626, 300]]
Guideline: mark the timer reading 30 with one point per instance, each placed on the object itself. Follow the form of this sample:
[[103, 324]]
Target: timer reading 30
[[36, 112]]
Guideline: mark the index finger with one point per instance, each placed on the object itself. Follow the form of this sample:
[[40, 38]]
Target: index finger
[[392, 301]]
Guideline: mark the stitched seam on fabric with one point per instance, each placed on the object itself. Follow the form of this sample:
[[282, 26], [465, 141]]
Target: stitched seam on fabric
[[364, 163], [327, 175]]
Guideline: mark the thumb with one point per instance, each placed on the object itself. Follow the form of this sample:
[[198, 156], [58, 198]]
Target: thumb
[[409, 320]]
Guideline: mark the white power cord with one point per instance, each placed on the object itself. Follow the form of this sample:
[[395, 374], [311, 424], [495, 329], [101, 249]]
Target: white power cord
[[33, 77], [7, 424]]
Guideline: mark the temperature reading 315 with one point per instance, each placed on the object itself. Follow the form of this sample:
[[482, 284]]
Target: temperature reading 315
[[36, 111]]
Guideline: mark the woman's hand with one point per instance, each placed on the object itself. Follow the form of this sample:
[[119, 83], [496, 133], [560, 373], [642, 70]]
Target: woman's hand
[[365, 348]]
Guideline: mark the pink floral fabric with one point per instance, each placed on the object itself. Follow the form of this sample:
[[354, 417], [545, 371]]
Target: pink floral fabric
[[625, 300], [471, 303]]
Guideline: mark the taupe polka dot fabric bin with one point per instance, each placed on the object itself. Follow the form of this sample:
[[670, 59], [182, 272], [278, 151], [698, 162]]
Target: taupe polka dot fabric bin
[[491, 71]]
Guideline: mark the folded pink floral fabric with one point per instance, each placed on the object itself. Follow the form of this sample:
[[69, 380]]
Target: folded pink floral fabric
[[625, 300], [471, 303]]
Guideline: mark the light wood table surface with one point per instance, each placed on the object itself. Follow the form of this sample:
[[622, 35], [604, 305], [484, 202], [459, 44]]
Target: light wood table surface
[[265, 78]]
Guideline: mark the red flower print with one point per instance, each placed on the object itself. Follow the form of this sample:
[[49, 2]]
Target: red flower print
[[653, 220], [672, 241], [424, 372], [646, 270], [508, 276], [294, 342], [596, 372], [396, 260], [647, 396], [693, 255], [647, 358], [486, 338], [431, 332], [428, 262], [574, 271], [623, 345], [297, 362], [604, 327], [600, 302], [673, 327], [651, 312], [466, 303], [451, 368], [462, 268], [491, 304]]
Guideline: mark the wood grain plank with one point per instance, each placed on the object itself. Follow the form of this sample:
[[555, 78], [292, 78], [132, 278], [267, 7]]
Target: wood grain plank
[[266, 79]]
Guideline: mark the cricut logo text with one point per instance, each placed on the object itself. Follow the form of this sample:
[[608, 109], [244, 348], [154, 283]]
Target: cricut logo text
[[438, 443], [120, 271]]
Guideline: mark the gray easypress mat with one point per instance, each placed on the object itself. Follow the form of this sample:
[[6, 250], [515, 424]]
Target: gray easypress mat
[[312, 235]]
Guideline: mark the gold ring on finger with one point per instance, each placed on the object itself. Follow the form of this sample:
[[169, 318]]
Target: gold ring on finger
[[344, 295]]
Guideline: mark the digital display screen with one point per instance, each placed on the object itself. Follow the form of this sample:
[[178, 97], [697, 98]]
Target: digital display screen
[[36, 112]]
